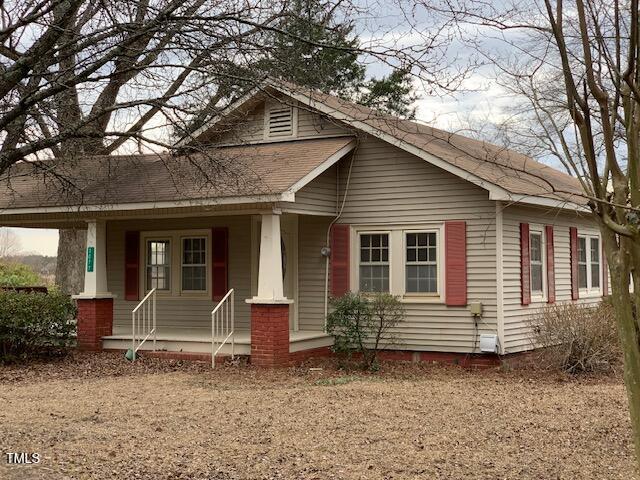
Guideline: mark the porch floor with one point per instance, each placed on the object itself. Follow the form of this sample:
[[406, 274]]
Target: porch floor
[[199, 340]]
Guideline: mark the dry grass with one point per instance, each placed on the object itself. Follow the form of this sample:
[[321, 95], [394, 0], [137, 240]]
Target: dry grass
[[98, 417]]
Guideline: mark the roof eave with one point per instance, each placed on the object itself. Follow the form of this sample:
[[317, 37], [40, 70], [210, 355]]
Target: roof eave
[[205, 202], [538, 201]]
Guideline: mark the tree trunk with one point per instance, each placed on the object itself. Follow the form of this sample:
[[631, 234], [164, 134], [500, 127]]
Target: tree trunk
[[628, 331], [70, 265]]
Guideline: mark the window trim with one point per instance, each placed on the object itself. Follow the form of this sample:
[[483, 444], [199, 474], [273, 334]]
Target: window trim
[[175, 237], [146, 288], [206, 265], [590, 291], [439, 264], [358, 263], [397, 273], [538, 296]]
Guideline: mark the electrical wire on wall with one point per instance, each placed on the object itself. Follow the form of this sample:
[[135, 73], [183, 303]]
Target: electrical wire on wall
[[337, 217]]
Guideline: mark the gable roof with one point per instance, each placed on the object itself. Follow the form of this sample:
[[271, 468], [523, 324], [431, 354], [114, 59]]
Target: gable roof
[[506, 174], [236, 174]]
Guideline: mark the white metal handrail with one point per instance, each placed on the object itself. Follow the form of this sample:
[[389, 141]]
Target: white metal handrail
[[143, 322], [222, 326]]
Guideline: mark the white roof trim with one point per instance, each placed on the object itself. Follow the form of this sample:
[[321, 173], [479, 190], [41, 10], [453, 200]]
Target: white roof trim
[[322, 167], [540, 201], [283, 197]]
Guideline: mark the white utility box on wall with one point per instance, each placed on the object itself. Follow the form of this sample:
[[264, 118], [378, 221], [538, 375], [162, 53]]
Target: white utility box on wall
[[488, 343]]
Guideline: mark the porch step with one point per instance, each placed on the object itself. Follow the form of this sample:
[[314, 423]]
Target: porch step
[[197, 341], [176, 343]]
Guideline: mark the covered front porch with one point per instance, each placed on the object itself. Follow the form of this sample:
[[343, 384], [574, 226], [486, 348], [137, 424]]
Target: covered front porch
[[164, 278]]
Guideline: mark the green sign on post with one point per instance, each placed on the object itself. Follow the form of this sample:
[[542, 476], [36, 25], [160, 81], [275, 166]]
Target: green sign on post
[[90, 257]]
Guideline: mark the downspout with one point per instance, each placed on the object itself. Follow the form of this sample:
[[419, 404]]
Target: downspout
[[339, 214]]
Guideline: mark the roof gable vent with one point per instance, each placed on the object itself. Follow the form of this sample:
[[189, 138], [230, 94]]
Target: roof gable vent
[[280, 121]]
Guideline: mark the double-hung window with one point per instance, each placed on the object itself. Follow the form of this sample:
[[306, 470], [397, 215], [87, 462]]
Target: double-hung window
[[194, 264], [159, 264], [403, 260], [177, 262], [421, 267], [374, 262], [536, 256], [589, 262]]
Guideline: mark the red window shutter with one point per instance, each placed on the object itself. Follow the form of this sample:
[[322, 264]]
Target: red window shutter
[[551, 266], [573, 244], [605, 274], [455, 234], [132, 265], [525, 265], [219, 262], [339, 260]]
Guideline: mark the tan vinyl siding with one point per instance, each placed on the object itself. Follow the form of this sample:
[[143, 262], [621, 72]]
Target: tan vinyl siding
[[251, 127], [391, 187], [319, 195], [182, 311], [517, 316], [311, 271]]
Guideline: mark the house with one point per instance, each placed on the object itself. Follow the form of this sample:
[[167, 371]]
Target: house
[[291, 196]]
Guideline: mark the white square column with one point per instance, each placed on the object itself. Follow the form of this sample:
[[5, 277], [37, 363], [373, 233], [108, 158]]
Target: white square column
[[270, 282], [95, 265]]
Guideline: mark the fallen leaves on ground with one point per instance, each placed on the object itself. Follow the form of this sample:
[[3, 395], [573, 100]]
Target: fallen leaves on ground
[[99, 416]]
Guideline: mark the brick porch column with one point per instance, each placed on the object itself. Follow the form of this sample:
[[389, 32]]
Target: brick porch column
[[95, 303], [270, 335], [270, 308]]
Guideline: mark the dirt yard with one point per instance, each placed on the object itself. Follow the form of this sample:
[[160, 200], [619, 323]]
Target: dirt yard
[[95, 416]]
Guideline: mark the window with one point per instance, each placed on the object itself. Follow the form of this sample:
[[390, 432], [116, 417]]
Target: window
[[194, 264], [421, 262], [374, 262], [595, 263], [403, 260], [589, 262], [582, 262], [159, 264], [537, 262]]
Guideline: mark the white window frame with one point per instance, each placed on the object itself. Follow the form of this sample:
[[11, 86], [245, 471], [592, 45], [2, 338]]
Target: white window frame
[[397, 259], [590, 291], [294, 120], [147, 241], [358, 263], [439, 264], [206, 265], [538, 296], [175, 238]]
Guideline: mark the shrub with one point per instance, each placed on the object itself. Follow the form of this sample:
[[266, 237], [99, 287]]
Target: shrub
[[363, 324], [35, 324], [18, 275], [576, 338]]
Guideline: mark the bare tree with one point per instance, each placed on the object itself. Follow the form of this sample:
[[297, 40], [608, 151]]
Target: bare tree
[[81, 78], [574, 67], [9, 243]]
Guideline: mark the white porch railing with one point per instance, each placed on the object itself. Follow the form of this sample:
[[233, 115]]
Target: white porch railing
[[143, 323], [222, 326]]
